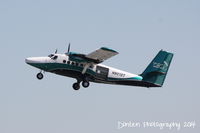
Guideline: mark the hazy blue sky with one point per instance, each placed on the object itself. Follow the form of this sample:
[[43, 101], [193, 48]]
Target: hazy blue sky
[[136, 29]]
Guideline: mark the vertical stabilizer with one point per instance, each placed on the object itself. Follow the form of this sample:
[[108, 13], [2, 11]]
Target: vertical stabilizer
[[156, 71]]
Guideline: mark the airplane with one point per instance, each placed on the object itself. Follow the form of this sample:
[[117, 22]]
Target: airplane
[[86, 68]]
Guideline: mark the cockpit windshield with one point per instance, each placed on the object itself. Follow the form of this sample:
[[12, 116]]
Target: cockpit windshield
[[52, 56], [55, 57]]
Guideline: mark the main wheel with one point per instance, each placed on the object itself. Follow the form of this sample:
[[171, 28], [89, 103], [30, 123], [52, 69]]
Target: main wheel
[[76, 86], [85, 84], [40, 76]]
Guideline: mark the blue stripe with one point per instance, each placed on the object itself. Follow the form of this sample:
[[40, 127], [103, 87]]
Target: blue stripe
[[132, 78]]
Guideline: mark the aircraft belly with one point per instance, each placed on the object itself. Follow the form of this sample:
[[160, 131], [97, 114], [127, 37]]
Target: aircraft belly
[[78, 75], [131, 83], [68, 73], [69, 70], [102, 77]]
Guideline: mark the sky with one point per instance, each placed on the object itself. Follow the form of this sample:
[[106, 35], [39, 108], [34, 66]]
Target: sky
[[137, 29]]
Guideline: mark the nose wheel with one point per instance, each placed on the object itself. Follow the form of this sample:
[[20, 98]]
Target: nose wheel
[[40, 76]]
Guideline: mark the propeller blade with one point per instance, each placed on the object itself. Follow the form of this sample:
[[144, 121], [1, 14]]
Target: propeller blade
[[56, 51], [68, 48]]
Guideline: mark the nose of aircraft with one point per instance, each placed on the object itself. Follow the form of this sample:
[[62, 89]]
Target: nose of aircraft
[[35, 60], [29, 60]]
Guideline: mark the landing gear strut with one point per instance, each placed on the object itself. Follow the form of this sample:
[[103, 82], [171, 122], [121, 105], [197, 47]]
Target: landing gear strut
[[40, 76]]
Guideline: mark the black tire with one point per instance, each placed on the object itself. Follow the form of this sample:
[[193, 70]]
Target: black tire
[[76, 86], [40, 76], [85, 84]]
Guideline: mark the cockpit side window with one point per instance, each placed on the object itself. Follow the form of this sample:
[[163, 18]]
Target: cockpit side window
[[55, 57]]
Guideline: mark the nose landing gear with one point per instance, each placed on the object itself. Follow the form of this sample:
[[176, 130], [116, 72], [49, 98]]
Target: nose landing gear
[[40, 76]]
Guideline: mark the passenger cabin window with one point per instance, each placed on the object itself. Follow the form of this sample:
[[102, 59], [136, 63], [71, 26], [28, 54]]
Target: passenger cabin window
[[64, 61], [68, 62], [72, 63]]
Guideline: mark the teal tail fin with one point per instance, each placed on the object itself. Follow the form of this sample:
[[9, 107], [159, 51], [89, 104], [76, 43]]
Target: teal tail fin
[[156, 71]]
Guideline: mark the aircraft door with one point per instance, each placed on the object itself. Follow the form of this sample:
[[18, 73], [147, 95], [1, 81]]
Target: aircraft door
[[102, 72]]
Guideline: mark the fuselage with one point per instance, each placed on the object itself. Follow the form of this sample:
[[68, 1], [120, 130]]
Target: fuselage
[[61, 64], [88, 68]]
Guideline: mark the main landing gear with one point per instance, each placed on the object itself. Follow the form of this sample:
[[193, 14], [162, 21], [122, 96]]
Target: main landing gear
[[85, 84], [76, 86], [39, 76]]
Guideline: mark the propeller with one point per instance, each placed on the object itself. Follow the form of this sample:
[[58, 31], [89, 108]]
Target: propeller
[[56, 51], [68, 49]]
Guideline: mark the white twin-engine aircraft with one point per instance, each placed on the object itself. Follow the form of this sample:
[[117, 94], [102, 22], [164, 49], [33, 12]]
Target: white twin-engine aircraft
[[87, 68]]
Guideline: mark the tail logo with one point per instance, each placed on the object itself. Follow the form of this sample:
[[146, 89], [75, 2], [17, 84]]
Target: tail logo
[[162, 66]]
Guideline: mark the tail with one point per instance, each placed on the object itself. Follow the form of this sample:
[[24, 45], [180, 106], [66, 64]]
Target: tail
[[154, 75]]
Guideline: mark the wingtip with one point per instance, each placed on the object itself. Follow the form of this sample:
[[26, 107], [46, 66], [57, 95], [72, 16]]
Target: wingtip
[[109, 49]]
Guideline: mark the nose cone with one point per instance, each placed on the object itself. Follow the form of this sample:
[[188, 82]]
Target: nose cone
[[38, 62], [33, 60], [28, 60]]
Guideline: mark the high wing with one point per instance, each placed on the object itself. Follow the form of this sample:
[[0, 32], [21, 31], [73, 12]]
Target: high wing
[[95, 57], [102, 54]]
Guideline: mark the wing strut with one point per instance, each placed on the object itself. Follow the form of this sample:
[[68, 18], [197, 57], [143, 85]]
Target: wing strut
[[85, 68]]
